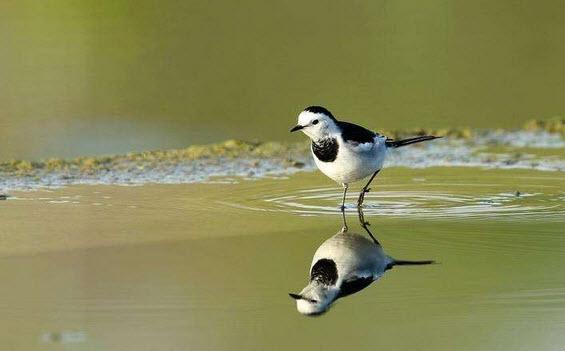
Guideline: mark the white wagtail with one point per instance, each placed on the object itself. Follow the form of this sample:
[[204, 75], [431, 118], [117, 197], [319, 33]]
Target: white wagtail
[[344, 151], [343, 265]]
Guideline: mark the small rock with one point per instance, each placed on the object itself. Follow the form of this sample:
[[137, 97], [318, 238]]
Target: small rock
[[518, 193], [3, 196]]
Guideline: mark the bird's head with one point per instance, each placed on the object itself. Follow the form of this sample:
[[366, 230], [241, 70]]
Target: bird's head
[[316, 122], [315, 299]]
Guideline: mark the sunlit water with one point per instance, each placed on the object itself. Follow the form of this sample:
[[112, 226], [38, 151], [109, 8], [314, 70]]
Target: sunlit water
[[209, 266]]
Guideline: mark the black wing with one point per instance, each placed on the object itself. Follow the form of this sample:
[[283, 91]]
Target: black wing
[[356, 284], [355, 134]]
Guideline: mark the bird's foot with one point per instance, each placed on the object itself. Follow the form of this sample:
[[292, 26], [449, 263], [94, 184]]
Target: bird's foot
[[360, 202], [362, 196]]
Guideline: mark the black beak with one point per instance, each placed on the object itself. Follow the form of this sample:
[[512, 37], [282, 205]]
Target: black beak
[[295, 296], [297, 127]]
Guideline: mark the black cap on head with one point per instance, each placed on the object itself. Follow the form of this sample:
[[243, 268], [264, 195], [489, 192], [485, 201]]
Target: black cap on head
[[320, 109]]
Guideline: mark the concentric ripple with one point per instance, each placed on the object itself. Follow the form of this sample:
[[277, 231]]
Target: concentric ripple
[[449, 202]]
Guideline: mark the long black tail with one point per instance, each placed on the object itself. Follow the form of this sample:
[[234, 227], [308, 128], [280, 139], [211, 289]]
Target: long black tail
[[404, 142]]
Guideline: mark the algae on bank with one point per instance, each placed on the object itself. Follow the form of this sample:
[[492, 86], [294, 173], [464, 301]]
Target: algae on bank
[[198, 163]]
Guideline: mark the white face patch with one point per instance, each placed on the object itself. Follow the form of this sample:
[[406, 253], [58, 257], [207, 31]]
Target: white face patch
[[316, 125], [305, 118], [309, 308], [317, 298]]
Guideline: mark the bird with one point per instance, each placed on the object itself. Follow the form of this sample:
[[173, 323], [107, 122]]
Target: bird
[[346, 152], [343, 265]]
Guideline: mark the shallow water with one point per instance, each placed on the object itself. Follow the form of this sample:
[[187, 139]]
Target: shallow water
[[208, 266], [198, 248]]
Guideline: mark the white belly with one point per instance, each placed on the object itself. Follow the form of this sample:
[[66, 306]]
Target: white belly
[[352, 165]]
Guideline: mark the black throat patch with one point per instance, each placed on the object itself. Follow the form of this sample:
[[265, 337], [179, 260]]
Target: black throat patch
[[324, 271], [326, 149]]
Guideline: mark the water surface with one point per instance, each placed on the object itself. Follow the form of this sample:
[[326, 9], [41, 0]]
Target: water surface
[[208, 266], [104, 77]]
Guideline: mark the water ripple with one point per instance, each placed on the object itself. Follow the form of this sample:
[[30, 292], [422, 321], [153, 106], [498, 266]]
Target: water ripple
[[417, 204]]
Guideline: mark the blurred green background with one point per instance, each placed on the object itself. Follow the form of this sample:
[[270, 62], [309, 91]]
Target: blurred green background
[[97, 77]]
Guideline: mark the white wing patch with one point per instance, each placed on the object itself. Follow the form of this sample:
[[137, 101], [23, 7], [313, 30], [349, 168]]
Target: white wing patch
[[365, 147], [364, 274], [360, 147]]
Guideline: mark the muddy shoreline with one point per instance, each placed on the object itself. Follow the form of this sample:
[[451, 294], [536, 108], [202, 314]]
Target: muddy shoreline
[[539, 146]]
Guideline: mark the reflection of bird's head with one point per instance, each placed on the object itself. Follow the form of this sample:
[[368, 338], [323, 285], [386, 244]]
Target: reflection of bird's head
[[315, 298], [322, 289], [336, 268], [343, 265]]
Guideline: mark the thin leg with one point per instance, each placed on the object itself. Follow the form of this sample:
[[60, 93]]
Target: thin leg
[[345, 186], [344, 228], [366, 225], [366, 189]]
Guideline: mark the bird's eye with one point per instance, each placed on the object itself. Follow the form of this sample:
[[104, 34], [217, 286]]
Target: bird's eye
[[315, 121]]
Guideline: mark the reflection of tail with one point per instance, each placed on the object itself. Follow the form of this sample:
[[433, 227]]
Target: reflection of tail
[[407, 263], [411, 263], [404, 142]]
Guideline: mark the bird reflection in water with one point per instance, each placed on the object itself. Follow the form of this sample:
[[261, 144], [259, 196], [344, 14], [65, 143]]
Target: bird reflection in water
[[343, 265]]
